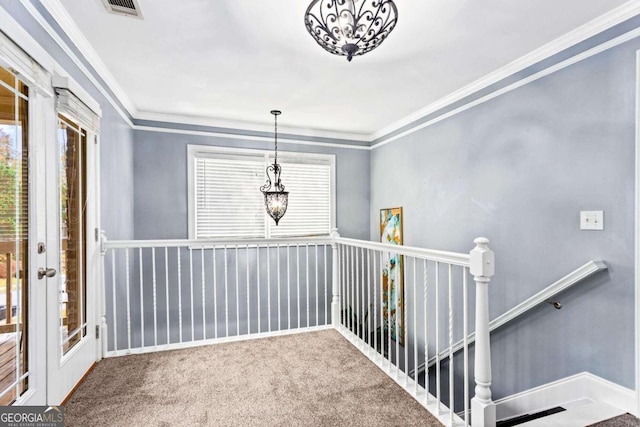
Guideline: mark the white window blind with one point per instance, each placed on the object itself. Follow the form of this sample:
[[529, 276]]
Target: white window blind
[[309, 210], [226, 200]]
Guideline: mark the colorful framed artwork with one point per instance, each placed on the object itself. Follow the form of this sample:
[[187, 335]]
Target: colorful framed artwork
[[392, 274]]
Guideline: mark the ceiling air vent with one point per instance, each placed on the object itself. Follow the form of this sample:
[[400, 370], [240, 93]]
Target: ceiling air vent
[[123, 7]]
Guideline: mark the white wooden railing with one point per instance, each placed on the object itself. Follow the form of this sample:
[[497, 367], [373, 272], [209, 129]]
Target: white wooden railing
[[435, 311], [178, 293], [161, 295]]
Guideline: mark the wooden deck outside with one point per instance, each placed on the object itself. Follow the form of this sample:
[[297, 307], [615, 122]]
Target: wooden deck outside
[[8, 366], [12, 271]]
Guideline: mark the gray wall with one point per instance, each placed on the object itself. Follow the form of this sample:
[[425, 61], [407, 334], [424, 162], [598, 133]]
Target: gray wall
[[518, 169], [116, 176], [160, 182], [161, 212]]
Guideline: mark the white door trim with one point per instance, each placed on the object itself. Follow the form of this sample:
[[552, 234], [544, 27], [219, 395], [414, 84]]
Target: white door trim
[[637, 237]]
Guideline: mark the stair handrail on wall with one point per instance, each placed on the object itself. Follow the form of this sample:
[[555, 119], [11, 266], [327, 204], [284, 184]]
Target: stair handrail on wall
[[576, 276]]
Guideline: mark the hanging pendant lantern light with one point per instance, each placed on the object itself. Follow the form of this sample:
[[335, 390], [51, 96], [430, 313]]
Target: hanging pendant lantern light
[[276, 199], [350, 27]]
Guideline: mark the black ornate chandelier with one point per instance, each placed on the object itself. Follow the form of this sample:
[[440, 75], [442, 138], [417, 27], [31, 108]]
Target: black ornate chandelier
[[276, 199], [350, 27]]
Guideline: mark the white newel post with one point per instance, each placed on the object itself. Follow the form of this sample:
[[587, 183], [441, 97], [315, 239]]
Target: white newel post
[[103, 297], [335, 284], [482, 267]]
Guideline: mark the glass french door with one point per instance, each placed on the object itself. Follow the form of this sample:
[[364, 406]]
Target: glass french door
[[22, 224], [72, 342], [49, 250], [48, 257]]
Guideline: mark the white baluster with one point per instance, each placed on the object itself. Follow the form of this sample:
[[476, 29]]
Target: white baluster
[[226, 292], [326, 281], [179, 292], [307, 270], [415, 328], [126, 256], [317, 295], [356, 289], [404, 331], [438, 398], [379, 272], [155, 307], [248, 293], [389, 302], [166, 289], [258, 283], [482, 267], [352, 304], [113, 286], [193, 332], [451, 384], [215, 295], [237, 296], [368, 334], [141, 267], [279, 314], [347, 290], [268, 289], [465, 335], [298, 280], [425, 284], [288, 287], [376, 347], [204, 311], [343, 294]]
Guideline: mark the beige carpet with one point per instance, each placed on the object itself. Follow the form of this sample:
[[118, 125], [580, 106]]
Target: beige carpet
[[309, 379], [626, 420]]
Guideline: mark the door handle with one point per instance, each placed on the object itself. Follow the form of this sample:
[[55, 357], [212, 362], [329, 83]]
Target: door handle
[[49, 272]]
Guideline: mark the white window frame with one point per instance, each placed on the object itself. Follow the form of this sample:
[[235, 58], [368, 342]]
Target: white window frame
[[194, 151]]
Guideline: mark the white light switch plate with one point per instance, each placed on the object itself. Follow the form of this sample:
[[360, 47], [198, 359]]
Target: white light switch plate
[[591, 220]]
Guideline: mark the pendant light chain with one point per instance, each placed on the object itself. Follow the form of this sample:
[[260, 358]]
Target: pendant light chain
[[276, 138]]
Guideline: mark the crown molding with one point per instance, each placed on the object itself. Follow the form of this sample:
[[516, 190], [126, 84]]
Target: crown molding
[[522, 82], [246, 126], [249, 137], [590, 29], [68, 25], [71, 29]]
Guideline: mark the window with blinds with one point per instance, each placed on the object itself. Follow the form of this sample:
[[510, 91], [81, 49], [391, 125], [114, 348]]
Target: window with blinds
[[309, 187], [226, 202]]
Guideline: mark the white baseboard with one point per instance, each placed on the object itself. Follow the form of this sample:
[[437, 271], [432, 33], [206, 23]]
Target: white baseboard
[[567, 391], [201, 343]]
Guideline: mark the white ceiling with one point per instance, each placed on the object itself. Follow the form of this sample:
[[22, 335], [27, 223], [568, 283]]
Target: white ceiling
[[235, 60]]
